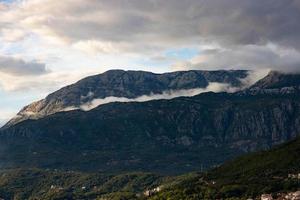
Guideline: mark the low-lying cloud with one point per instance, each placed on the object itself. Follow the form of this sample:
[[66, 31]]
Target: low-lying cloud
[[170, 94]]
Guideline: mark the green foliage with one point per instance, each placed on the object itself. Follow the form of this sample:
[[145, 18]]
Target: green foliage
[[50, 184], [245, 177]]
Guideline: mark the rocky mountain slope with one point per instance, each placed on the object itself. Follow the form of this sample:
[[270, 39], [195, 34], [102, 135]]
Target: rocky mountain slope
[[275, 83], [167, 136], [127, 84], [275, 80]]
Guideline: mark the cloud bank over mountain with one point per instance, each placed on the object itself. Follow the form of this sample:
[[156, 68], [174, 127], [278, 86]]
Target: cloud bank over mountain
[[170, 94], [252, 77]]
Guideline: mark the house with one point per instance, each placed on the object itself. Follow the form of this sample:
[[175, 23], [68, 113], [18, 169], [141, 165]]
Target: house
[[56, 187], [293, 196], [296, 195], [149, 193], [266, 197], [294, 176], [157, 189]]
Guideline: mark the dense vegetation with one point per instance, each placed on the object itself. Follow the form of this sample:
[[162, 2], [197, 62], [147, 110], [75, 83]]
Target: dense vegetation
[[51, 184], [245, 177]]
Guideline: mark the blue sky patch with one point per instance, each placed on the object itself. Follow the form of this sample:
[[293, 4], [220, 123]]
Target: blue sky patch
[[182, 53]]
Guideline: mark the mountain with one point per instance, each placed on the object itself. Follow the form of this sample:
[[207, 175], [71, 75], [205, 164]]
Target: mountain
[[275, 83], [166, 136], [109, 143], [126, 84], [275, 80]]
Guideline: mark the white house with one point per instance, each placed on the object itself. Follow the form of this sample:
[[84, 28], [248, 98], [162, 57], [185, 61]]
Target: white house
[[266, 197]]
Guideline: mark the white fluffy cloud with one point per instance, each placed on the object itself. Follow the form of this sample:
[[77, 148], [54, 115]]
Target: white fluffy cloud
[[12, 35], [150, 27], [5, 115], [170, 94]]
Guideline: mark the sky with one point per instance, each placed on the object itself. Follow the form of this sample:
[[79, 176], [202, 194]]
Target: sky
[[46, 44]]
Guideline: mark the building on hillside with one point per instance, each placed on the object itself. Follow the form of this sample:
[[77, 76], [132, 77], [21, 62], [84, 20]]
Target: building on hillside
[[293, 196], [149, 193], [266, 197], [294, 176]]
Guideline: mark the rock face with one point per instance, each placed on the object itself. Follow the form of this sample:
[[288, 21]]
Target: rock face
[[129, 84], [168, 136], [275, 83], [275, 80]]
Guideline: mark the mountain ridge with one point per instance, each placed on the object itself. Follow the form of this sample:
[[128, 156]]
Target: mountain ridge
[[128, 84]]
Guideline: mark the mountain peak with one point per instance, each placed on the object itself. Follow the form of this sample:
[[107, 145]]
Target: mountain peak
[[125, 84], [276, 79]]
